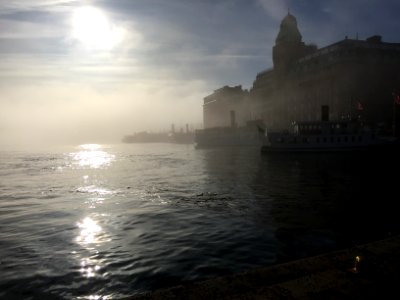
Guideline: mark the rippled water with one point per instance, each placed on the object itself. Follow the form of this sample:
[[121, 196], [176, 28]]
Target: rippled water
[[102, 222]]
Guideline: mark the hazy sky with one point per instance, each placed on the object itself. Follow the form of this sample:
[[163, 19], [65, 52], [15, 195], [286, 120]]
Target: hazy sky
[[91, 71]]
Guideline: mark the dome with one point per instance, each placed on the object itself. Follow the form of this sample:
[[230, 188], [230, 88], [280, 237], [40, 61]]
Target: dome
[[288, 31]]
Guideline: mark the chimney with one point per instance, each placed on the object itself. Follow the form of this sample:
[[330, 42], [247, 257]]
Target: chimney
[[324, 113], [187, 128], [173, 128], [233, 119]]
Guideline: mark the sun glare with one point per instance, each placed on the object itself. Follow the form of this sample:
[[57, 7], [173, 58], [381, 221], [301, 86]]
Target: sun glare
[[92, 156], [92, 28]]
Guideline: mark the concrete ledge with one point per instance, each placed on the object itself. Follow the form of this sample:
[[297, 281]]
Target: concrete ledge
[[370, 271]]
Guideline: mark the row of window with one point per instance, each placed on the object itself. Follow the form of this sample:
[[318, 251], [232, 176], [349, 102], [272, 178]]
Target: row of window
[[318, 126], [332, 139]]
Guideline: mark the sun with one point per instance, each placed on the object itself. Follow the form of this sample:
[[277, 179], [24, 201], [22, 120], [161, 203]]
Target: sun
[[93, 29]]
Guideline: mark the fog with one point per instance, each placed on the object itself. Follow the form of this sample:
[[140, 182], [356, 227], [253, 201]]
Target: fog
[[77, 113]]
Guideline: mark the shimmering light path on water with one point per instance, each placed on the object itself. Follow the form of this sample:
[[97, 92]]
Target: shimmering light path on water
[[98, 222]]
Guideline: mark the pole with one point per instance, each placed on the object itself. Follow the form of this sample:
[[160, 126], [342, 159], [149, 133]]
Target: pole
[[394, 118]]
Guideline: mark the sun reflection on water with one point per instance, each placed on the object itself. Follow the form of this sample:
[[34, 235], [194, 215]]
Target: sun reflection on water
[[97, 194], [89, 267], [92, 156], [90, 231], [90, 236], [95, 297]]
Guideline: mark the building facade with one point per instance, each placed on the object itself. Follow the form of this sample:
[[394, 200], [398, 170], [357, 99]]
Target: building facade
[[355, 78], [226, 107]]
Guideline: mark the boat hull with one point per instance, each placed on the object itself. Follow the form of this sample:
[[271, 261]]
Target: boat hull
[[228, 136], [379, 146]]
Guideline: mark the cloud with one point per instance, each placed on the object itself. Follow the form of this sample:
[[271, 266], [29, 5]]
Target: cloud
[[326, 22], [276, 9], [27, 30], [7, 6]]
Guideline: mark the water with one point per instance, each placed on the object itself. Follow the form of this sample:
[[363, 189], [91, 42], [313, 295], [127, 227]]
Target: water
[[102, 222]]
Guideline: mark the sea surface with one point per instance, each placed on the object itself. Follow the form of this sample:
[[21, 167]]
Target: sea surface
[[108, 221]]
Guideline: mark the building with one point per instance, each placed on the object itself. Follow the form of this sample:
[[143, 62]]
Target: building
[[355, 78], [226, 107]]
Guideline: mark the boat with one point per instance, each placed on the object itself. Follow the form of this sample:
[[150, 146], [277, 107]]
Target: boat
[[182, 137], [173, 137], [146, 137], [252, 134], [327, 136]]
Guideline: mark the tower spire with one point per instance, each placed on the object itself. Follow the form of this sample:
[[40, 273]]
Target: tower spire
[[288, 44], [289, 31]]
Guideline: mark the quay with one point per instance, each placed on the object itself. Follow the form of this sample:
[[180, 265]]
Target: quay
[[369, 271]]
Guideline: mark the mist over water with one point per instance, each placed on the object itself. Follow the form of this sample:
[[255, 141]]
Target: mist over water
[[116, 220], [74, 113]]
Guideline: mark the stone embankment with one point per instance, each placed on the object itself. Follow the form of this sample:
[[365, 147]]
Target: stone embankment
[[370, 271]]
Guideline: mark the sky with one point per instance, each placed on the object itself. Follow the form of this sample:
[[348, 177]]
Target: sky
[[75, 71]]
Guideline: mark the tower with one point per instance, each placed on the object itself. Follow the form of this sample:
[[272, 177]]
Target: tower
[[288, 44]]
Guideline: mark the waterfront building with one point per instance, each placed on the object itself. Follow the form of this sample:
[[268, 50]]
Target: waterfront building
[[355, 78], [226, 107]]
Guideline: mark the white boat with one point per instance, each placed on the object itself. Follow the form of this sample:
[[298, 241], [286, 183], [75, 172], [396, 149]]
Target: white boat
[[322, 136]]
